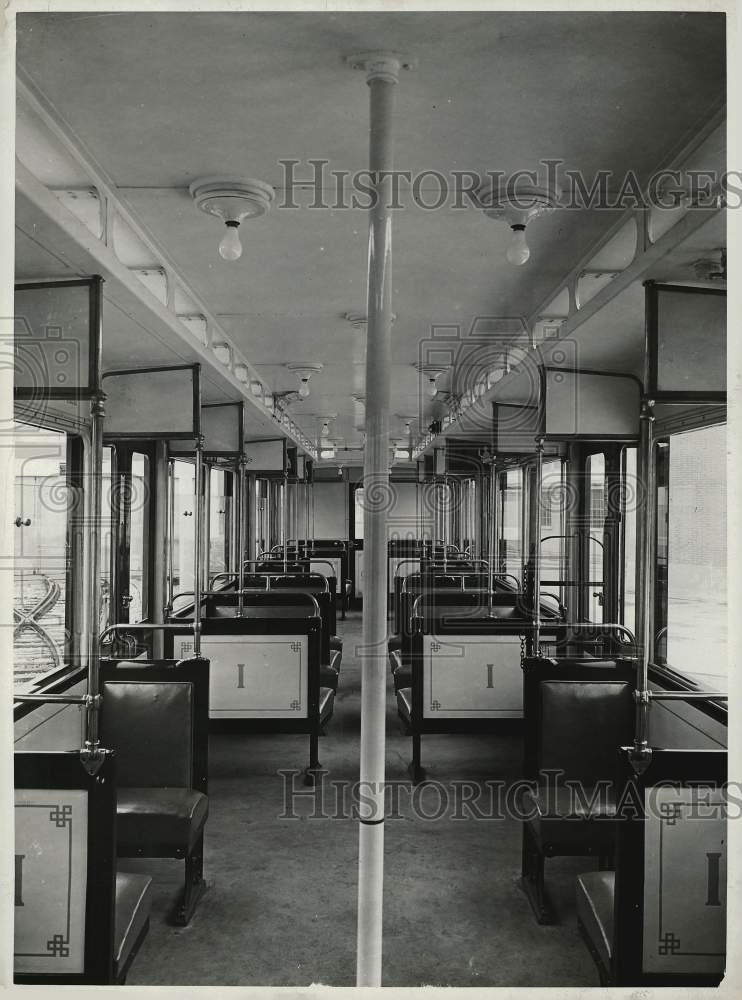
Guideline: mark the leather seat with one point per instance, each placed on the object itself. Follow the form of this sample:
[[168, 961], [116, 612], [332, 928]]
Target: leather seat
[[394, 643], [326, 704], [404, 704], [336, 642], [131, 918], [402, 676], [149, 817], [547, 808], [595, 897]]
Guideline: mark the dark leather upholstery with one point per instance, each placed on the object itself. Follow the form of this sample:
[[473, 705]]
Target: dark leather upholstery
[[132, 910], [595, 897], [326, 704], [149, 755], [336, 642], [151, 818], [404, 704], [394, 643], [601, 712], [547, 808]]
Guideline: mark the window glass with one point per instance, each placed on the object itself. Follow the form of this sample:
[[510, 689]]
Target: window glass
[[218, 520], [511, 538], [184, 513], [138, 537], [596, 500], [552, 527], [358, 519], [44, 499], [106, 609], [694, 553], [629, 498]]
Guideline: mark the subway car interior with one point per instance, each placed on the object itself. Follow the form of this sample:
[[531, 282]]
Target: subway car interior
[[369, 608]]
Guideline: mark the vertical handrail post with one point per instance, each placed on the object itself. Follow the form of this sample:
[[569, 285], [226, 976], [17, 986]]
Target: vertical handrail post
[[537, 547], [242, 484], [382, 72], [92, 712], [644, 560], [198, 555]]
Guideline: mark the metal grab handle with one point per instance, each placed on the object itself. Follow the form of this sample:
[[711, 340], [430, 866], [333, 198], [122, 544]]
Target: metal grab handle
[[247, 590], [414, 613], [20, 523], [597, 627], [412, 559], [683, 695]]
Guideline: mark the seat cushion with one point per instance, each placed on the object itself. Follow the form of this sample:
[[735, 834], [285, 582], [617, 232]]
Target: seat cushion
[[133, 905], [336, 658], [394, 643], [326, 704], [336, 642], [560, 816], [404, 704], [395, 659], [595, 895], [402, 676], [154, 819]]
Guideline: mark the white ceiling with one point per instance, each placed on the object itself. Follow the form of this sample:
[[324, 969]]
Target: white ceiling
[[160, 99]]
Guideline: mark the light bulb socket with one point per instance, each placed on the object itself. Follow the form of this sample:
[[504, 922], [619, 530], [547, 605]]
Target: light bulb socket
[[234, 224], [517, 227]]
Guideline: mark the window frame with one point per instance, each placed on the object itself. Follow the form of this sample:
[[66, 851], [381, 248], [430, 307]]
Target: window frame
[[664, 674], [72, 670]]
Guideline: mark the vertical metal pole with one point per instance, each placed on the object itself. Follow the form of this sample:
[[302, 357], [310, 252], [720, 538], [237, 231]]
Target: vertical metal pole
[[242, 487], [492, 532], [536, 521], [284, 521], [197, 535], [382, 71], [644, 558], [445, 514], [97, 412], [170, 538], [160, 552]]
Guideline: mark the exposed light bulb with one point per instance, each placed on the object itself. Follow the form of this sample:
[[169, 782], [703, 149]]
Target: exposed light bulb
[[325, 429], [230, 247], [432, 388], [407, 428], [518, 252], [304, 388]]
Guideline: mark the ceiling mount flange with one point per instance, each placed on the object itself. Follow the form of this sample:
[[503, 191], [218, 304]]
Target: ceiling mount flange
[[232, 199], [359, 320], [381, 64], [517, 205]]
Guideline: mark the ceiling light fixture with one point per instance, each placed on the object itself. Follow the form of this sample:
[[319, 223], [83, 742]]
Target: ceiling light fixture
[[232, 200], [240, 372], [518, 207], [432, 374], [304, 373]]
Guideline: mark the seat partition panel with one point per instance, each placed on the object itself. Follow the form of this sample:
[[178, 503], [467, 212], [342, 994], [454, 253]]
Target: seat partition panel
[[260, 669], [64, 869], [672, 871], [472, 676]]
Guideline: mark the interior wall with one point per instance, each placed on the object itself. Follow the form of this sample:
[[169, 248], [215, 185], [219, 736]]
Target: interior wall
[[330, 510], [52, 727], [680, 726]]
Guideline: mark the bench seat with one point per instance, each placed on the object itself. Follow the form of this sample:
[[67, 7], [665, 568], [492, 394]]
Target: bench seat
[[404, 704], [131, 919], [546, 809], [336, 642], [595, 896], [152, 817], [326, 704]]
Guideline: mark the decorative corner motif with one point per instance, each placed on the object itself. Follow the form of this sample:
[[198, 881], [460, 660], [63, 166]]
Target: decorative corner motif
[[61, 816]]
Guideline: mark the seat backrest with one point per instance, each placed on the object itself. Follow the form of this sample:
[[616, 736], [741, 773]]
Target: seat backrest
[[577, 712], [671, 853], [150, 725], [65, 849]]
